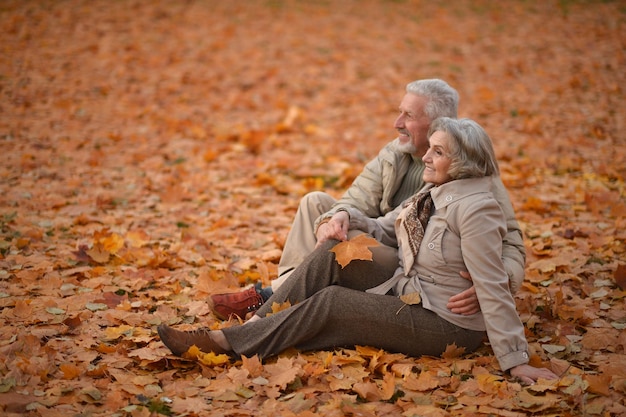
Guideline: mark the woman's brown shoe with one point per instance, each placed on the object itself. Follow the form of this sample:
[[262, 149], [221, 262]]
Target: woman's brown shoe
[[180, 342]]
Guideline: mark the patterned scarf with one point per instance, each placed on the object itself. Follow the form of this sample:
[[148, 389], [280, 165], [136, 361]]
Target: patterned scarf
[[416, 219]]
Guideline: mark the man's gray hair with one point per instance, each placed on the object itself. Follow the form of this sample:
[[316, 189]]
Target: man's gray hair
[[443, 100]]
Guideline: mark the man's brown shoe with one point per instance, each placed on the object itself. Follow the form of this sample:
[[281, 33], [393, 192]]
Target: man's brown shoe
[[237, 303], [180, 342]]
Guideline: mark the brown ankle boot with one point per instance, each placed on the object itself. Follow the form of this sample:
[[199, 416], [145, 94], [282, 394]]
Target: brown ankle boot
[[180, 342], [236, 303]]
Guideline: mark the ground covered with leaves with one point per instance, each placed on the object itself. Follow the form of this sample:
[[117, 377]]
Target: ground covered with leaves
[[154, 153]]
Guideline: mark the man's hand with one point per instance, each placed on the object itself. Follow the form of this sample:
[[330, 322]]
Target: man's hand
[[466, 302], [336, 228]]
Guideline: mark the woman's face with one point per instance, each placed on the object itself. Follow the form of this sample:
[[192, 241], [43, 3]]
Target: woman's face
[[437, 160]]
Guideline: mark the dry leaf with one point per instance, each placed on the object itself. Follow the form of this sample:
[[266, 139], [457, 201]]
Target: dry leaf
[[211, 359], [425, 382], [283, 372], [353, 249], [620, 276], [598, 384], [369, 391], [410, 299], [70, 371], [23, 309], [99, 253], [277, 307], [253, 365], [452, 351]]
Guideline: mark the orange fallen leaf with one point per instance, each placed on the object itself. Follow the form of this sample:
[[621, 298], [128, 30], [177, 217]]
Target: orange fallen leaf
[[598, 384], [112, 299], [137, 239], [452, 351], [253, 365], [388, 387], [283, 372], [112, 243], [425, 382], [536, 403], [23, 309], [99, 371], [102, 348], [98, 253], [70, 371], [367, 390]]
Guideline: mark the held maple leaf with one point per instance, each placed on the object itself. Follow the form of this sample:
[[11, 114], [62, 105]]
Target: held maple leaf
[[355, 248]]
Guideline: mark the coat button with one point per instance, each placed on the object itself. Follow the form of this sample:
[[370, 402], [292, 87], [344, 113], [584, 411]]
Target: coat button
[[431, 245], [448, 198]]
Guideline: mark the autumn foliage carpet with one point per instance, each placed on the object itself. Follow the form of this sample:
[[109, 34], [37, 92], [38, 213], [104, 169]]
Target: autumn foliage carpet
[[154, 153]]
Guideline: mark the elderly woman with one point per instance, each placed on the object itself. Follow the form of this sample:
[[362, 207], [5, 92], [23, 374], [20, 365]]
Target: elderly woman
[[453, 224]]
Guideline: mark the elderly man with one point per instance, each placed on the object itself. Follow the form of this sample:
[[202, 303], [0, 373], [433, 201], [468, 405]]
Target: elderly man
[[386, 181]]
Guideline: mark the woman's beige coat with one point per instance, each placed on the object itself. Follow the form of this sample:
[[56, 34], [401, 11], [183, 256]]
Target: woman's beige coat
[[465, 233]]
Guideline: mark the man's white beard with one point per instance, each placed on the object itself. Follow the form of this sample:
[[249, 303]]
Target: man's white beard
[[407, 147]]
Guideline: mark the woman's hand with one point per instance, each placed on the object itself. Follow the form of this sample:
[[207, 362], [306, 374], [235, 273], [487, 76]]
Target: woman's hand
[[529, 374], [336, 228]]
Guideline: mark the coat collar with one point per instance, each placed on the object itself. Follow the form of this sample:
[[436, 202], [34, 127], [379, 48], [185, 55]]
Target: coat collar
[[446, 194]]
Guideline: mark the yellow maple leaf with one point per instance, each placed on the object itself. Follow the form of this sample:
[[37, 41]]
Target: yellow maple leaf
[[113, 333], [209, 359], [112, 243], [489, 383], [355, 248]]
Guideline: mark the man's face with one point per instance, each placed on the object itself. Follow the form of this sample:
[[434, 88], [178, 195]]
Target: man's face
[[412, 125]]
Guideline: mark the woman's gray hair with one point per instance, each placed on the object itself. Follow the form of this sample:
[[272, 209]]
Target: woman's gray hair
[[443, 100], [469, 148]]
